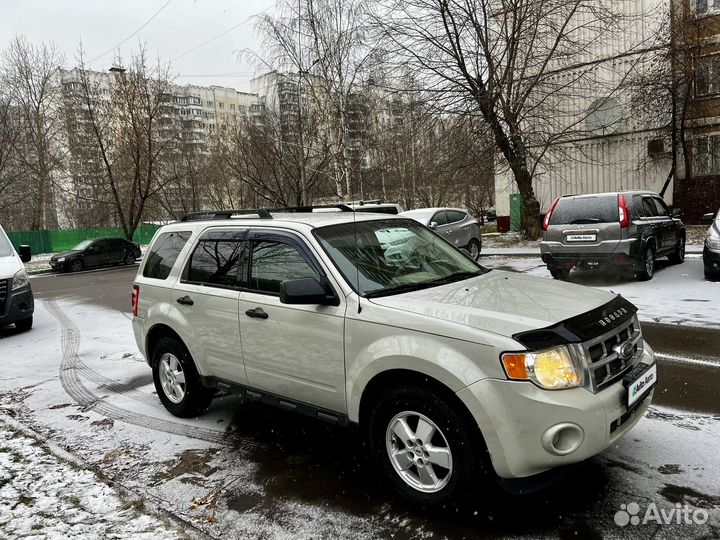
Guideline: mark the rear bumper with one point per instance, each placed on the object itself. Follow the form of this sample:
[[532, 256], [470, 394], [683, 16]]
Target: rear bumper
[[608, 253], [20, 305]]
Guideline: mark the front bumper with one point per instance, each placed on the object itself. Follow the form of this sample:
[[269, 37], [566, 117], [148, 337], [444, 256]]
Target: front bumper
[[19, 305], [55, 265], [515, 418], [711, 259]]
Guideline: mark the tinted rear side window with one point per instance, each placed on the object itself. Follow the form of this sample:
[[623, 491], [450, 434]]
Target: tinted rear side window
[[454, 215], [218, 260], [164, 253], [585, 210]]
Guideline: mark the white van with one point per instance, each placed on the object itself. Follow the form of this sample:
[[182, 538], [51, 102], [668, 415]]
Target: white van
[[16, 297]]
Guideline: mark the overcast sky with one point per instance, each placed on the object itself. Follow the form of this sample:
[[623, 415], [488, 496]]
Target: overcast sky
[[179, 27]]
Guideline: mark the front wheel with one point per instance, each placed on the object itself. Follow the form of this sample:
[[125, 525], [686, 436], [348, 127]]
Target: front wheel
[[647, 270], [425, 449], [24, 325], [177, 381], [76, 265], [473, 249]]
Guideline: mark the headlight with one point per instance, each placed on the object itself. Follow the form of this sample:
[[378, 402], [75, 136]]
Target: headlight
[[553, 369], [20, 279], [61, 259], [713, 243]]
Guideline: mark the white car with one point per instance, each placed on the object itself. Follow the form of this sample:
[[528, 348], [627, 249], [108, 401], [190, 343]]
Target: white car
[[16, 297], [452, 371]]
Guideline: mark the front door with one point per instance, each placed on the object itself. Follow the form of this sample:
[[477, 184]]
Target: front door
[[96, 253], [294, 351], [206, 296]]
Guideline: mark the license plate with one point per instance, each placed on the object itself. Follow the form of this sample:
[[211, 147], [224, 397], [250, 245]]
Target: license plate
[[640, 383], [581, 237]]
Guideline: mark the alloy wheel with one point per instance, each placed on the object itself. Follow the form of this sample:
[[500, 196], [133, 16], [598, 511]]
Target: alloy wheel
[[419, 452], [172, 377]]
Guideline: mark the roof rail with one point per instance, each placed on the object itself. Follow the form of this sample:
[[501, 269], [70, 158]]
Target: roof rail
[[309, 208], [205, 215]]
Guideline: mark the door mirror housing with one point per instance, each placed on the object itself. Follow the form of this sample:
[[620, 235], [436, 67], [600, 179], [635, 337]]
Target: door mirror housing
[[312, 290], [707, 218], [676, 213], [25, 253], [433, 225]]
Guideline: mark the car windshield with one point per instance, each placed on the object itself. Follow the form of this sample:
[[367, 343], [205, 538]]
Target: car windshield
[[6, 248], [384, 257], [83, 245]]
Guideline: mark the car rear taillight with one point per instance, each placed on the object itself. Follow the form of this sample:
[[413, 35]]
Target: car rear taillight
[[135, 299], [546, 221], [623, 213]]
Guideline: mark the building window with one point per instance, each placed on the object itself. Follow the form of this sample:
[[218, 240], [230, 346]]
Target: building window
[[707, 156], [707, 76], [232, 106], [706, 7], [209, 103], [221, 104]]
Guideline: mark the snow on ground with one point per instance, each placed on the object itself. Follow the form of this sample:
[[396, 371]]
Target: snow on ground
[[42, 496], [678, 294]]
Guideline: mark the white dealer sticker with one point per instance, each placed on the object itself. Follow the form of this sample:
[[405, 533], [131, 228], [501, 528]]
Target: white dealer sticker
[[581, 237], [640, 386]]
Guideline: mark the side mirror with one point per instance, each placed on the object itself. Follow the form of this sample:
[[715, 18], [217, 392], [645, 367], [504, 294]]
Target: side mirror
[[25, 253], [707, 218], [313, 290], [676, 213], [433, 225]]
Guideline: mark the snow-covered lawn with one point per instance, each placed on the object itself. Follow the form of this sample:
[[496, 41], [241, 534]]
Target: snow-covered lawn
[[43, 496]]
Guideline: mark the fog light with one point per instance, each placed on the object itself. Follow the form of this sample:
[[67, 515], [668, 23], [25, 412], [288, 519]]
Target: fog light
[[563, 439]]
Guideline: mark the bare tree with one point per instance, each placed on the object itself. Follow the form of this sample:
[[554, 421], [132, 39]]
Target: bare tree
[[30, 77], [11, 189], [324, 42], [525, 66], [133, 133]]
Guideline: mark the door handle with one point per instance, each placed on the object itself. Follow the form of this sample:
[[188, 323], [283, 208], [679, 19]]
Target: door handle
[[257, 313], [185, 301]]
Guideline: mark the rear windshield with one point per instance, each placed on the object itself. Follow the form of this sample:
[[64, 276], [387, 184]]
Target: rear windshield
[[163, 254], [603, 209]]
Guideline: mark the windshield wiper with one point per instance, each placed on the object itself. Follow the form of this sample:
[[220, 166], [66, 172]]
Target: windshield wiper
[[457, 276]]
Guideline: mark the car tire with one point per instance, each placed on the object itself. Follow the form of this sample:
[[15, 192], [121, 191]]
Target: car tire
[[76, 265], [176, 379], [647, 270], [432, 473], [710, 273], [473, 248], [24, 325], [129, 259], [678, 256], [560, 273]]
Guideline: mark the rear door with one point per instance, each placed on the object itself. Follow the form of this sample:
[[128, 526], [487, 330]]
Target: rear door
[[207, 296], [96, 253], [668, 224], [295, 351], [116, 250], [458, 228]]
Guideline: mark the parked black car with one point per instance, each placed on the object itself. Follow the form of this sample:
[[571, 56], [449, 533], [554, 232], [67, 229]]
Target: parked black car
[[711, 250], [96, 252], [628, 230]]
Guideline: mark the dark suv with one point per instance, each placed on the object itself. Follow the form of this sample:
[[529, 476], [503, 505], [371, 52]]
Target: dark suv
[[628, 230]]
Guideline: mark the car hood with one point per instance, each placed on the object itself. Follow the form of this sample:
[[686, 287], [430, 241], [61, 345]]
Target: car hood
[[66, 254], [501, 302], [9, 265]]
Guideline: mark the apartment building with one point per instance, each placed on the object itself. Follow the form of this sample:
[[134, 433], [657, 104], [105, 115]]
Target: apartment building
[[611, 145]]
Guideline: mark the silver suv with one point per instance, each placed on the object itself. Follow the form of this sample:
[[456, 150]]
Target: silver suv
[[451, 370], [626, 230]]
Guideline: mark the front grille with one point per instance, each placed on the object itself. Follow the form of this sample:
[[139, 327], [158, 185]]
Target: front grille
[[604, 364], [4, 289]]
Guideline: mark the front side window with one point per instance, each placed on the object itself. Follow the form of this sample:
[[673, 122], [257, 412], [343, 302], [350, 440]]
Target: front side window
[[217, 260], [440, 218], [384, 257], [163, 254], [273, 262], [661, 207]]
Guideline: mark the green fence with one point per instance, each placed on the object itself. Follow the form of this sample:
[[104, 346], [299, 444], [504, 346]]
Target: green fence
[[64, 239]]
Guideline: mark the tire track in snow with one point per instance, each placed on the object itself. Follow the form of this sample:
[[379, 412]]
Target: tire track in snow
[[70, 368]]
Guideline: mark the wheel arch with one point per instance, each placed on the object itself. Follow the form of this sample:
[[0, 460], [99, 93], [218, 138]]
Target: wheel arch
[[158, 332]]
